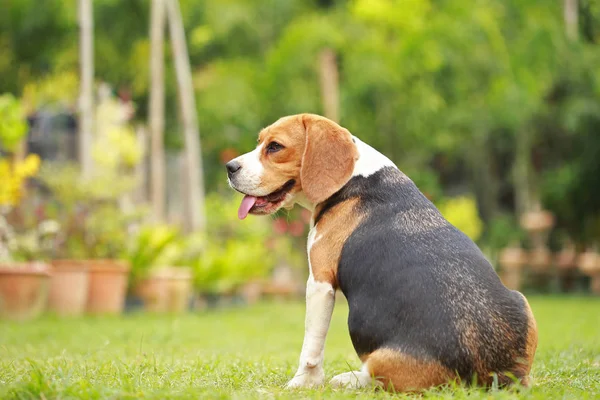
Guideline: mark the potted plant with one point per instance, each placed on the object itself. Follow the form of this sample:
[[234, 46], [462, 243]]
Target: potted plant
[[93, 233], [23, 285], [69, 287], [153, 290], [589, 264], [92, 209], [35, 241], [23, 289], [179, 288], [566, 263], [149, 279], [511, 260], [178, 256], [233, 253], [538, 223], [108, 286]]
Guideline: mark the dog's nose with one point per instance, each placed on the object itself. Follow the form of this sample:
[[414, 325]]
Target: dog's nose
[[232, 167]]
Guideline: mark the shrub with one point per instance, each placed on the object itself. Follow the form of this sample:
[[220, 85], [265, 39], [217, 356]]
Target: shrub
[[462, 213]]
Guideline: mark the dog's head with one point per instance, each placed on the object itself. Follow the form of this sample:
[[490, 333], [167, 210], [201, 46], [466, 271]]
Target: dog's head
[[298, 157]]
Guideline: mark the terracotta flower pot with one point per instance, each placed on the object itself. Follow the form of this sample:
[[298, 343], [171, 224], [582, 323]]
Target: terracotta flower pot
[[23, 290], [537, 220], [512, 259], [108, 286], [180, 289], [538, 224], [540, 259], [252, 291], [69, 287], [589, 264], [566, 259], [154, 290]]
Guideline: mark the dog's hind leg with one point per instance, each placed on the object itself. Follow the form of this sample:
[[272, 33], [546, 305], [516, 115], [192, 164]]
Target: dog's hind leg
[[400, 372]]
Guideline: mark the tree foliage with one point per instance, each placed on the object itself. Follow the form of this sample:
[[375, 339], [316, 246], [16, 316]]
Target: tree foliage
[[489, 93]]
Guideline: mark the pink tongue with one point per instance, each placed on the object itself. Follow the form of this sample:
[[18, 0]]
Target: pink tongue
[[246, 205]]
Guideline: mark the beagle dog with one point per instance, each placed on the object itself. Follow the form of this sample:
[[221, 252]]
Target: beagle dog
[[425, 306]]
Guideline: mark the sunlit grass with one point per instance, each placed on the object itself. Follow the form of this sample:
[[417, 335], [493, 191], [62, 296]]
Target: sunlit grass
[[251, 353]]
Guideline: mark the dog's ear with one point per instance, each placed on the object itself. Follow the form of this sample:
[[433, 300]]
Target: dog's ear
[[328, 160]]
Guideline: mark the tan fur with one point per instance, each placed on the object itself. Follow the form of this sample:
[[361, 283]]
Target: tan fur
[[400, 372], [524, 365], [329, 158], [332, 232], [471, 341], [285, 164], [522, 361], [318, 153]]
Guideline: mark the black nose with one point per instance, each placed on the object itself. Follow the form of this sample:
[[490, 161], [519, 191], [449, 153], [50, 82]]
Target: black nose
[[232, 167]]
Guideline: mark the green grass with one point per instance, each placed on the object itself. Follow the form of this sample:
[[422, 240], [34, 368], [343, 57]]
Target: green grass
[[251, 353]]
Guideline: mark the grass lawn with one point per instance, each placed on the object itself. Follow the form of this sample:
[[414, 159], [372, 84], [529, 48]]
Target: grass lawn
[[251, 353]]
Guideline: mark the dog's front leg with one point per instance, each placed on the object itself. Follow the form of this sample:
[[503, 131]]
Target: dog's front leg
[[320, 299]]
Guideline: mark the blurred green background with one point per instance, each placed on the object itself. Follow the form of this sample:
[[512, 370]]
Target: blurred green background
[[492, 107]]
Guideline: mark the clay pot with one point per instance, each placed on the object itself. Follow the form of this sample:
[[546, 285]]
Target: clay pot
[[589, 264], [537, 221], [180, 289], [512, 259], [107, 287], [251, 292], [511, 279], [540, 259], [154, 290], [566, 264], [23, 290], [566, 259], [69, 287]]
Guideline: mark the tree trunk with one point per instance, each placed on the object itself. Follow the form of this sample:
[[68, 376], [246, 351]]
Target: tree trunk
[[571, 12], [521, 175], [195, 219], [141, 192], [86, 99], [330, 92], [484, 178], [157, 110]]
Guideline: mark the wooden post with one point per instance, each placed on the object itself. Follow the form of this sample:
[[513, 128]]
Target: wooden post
[[521, 173], [194, 175], [86, 98], [330, 91], [571, 13], [141, 191], [157, 111]]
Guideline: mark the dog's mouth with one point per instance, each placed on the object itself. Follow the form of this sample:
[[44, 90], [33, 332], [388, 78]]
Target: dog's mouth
[[264, 204]]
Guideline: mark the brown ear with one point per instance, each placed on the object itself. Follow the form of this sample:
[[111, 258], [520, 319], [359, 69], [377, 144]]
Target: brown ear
[[328, 160]]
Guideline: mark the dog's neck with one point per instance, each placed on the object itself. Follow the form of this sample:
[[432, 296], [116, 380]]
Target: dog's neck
[[369, 161], [302, 201]]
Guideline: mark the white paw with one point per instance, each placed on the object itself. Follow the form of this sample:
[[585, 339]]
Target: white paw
[[351, 380], [307, 379]]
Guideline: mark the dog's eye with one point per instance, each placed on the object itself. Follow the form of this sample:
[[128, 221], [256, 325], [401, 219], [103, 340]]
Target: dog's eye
[[273, 147]]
